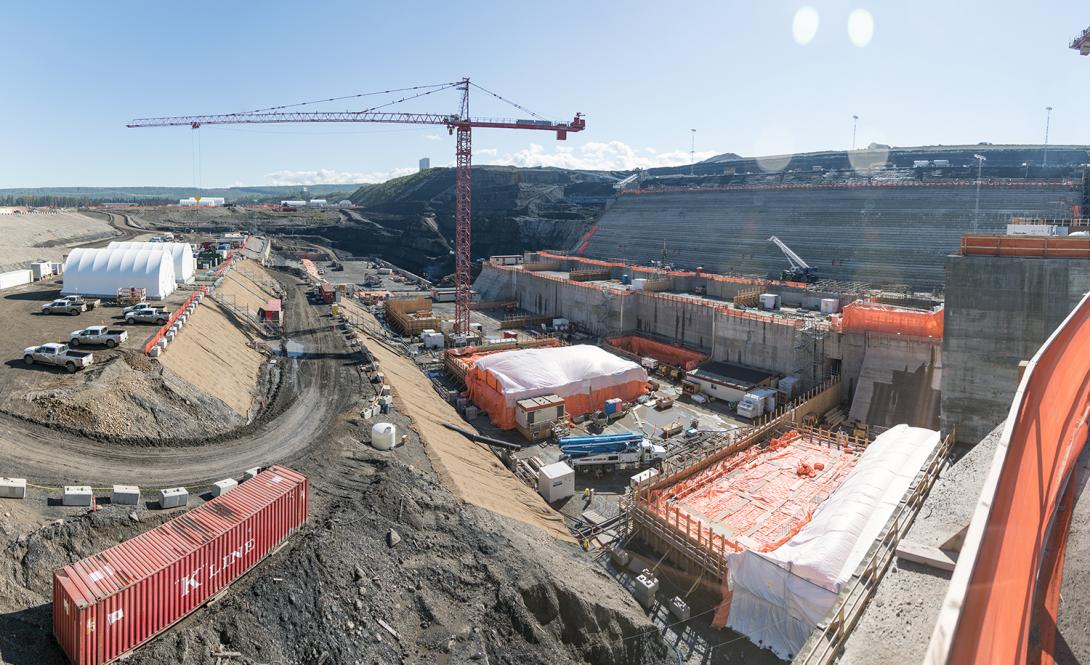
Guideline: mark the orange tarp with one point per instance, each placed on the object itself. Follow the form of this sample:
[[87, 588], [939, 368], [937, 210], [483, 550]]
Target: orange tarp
[[1008, 575], [873, 317], [757, 499], [660, 351]]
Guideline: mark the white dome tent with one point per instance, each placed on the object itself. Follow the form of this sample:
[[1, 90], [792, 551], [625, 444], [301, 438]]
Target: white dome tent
[[181, 253], [101, 272]]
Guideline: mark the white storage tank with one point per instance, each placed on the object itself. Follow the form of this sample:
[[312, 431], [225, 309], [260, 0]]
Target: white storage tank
[[770, 301], [384, 436], [555, 482], [830, 305]]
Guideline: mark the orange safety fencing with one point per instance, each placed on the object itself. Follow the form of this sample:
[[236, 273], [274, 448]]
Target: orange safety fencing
[[173, 317], [671, 273], [584, 242], [874, 317], [756, 499], [1053, 247], [669, 354], [1006, 584]]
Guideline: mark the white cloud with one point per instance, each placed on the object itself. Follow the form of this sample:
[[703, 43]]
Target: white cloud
[[485, 152], [433, 137], [332, 177], [598, 156]]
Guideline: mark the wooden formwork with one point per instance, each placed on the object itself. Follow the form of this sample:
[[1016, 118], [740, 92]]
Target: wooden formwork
[[658, 285], [590, 274], [541, 265], [747, 297], [411, 316]]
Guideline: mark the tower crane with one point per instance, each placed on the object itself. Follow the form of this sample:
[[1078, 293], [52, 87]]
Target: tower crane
[[800, 271], [460, 124]]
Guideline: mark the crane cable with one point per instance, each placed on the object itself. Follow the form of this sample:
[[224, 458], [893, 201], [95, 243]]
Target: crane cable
[[438, 86], [502, 99]]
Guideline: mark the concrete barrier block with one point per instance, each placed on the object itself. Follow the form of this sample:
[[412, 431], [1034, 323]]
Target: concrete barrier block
[[252, 473], [12, 488], [224, 486], [125, 495], [170, 336], [174, 497], [647, 586], [77, 495], [680, 609], [155, 352], [162, 343]]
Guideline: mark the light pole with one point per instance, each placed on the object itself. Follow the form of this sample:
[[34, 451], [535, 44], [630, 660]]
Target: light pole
[[692, 150], [980, 159], [855, 121], [1048, 118]]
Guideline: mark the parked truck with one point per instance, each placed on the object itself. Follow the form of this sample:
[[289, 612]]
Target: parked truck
[[89, 303], [610, 450], [756, 403], [64, 307], [59, 355], [149, 315], [98, 335]]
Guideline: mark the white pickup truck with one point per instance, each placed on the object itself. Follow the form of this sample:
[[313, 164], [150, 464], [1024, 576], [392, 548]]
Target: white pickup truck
[[64, 307], [132, 308], [89, 303], [149, 315], [59, 355], [98, 335]]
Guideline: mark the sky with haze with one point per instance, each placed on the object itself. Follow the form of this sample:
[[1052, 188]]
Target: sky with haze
[[752, 78]]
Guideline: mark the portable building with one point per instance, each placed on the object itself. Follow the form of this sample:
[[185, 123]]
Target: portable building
[[181, 254], [41, 270], [727, 381], [15, 278], [555, 482], [114, 601], [536, 416], [101, 272], [583, 376]]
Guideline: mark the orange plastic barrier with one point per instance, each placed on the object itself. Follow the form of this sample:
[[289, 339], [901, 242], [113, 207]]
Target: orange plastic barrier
[[758, 495], [1008, 575], [660, 351], [873, 317]]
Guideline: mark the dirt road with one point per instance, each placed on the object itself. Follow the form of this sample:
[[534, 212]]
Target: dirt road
[[316, 388]]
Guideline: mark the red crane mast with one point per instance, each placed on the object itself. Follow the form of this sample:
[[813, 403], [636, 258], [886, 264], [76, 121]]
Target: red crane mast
[[460, 124]]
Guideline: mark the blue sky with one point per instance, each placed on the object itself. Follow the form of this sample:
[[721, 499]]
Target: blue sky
[[644, 73]]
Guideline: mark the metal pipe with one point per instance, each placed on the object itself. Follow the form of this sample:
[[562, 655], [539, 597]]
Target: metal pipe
[[487, 440]]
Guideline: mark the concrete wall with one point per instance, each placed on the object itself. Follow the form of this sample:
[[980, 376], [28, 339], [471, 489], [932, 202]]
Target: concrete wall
[[898, 381], [999, 310]]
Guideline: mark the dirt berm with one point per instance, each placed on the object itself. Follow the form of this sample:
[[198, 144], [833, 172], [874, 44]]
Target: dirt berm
[[456, 584]]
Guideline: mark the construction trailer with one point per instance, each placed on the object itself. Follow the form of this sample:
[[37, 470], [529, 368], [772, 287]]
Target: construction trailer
[[728, 381], [535, 417]]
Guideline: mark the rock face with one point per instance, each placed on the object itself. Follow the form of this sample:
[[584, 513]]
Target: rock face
[[410, 221]]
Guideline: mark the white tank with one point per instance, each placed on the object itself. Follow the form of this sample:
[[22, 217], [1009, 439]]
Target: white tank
[[383, 436]]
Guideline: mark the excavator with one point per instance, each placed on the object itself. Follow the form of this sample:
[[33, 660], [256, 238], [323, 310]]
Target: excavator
[[800, 271]]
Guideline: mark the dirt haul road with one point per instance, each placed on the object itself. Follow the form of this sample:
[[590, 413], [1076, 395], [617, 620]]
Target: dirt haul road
[[314, 390]]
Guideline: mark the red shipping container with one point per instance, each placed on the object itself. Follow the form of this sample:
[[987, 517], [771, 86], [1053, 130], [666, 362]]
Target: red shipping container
[[114, 601]]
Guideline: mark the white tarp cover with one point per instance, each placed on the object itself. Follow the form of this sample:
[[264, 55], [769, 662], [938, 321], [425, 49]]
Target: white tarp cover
[[564, 371], [780, 596], [101, 272], [181, 253]]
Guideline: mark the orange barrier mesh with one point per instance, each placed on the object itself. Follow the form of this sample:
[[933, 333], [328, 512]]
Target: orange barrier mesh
[[312, 270], [660, 351], [757, 499], [873, 317], [1010, 567]]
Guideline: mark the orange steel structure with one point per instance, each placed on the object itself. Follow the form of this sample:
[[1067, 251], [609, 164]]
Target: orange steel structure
[[1008, 574], [890, 319], [1053, 247]]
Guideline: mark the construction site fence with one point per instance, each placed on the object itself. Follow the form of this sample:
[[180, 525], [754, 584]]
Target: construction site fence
[[824, 645], [161, 333], [1054, 247], [1012, 183], [893, 320]]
